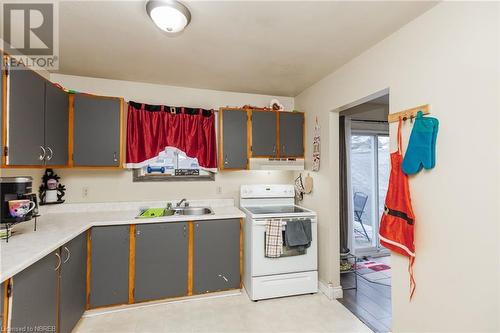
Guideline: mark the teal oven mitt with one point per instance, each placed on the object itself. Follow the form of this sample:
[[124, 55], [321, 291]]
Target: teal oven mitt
[[421, 150]]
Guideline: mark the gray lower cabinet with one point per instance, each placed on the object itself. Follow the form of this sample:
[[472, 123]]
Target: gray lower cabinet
[[109, 265], [34, 297], [264, 133], [216, 258], [72, 283], [161, 261], [291, 134], [56, 125], [234, 139], [26, 118], [96, 131]]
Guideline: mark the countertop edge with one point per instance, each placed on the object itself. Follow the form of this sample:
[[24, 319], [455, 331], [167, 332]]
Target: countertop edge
[[6, 274]]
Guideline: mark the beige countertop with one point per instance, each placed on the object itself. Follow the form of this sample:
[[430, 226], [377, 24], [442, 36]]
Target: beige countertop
[[58, 225]]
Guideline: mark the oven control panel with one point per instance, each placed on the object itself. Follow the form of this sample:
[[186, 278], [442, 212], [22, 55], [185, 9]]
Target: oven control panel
[[267, 191]]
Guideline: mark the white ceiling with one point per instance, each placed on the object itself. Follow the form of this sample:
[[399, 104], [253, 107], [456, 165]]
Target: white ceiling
[[267, 47]]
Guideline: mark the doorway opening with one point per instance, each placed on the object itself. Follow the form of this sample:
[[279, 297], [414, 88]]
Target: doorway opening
[[364, 177], [369, 169]]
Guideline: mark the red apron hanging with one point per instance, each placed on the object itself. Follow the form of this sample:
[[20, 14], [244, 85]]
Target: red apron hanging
[[396, 225]]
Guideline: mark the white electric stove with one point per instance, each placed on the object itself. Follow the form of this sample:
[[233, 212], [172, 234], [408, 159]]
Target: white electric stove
[[296, 271]]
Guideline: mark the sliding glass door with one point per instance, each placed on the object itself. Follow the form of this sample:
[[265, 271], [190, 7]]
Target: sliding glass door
[[369, 174]]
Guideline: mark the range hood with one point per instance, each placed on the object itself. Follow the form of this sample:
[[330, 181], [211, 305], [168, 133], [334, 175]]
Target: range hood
[[277, 164]]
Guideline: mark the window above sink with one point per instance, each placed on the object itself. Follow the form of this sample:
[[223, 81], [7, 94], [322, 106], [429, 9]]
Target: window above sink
[[172, 164]]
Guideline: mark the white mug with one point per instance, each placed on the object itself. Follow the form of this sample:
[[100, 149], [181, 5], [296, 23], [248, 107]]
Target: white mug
[[20, 208]]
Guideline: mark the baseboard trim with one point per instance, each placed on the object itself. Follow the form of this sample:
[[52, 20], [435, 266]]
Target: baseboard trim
[[330, 291], [183, 299]]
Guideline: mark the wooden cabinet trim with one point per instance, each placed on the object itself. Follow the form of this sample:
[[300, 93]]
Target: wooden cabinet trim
[[190, 257], [131, 264], [241, 252], [89, 267], [4, 112], [5, 315]]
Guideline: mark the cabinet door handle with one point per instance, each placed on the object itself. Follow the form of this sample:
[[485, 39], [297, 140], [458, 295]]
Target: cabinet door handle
[[58, 261], [69, 254], [225, 159], [42, 155], [51, 153], [223, 277], [115, 158], [274, 149], [283, 148]]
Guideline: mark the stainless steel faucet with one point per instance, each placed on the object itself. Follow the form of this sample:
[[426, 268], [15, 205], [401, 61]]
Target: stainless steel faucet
[[180, 203]]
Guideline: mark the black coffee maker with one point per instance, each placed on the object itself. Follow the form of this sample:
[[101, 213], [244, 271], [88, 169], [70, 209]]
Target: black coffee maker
[[16, 188]]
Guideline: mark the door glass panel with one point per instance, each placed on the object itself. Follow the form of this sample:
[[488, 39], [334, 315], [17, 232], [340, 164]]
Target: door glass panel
[[363, 184], [384, 170]]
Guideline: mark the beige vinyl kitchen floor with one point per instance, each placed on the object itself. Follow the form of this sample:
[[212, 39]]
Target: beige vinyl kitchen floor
[[304, 314]]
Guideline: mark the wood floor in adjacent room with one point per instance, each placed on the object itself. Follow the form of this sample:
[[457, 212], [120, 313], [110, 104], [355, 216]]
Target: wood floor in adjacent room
[[370, 302], [235, 314]]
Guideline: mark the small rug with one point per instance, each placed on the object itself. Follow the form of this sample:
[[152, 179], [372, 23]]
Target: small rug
[[373, 271]]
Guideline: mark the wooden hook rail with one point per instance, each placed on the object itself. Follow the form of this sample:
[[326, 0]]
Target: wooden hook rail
[[409, 113]]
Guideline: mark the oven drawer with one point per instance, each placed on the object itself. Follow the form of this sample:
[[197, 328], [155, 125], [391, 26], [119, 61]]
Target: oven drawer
[[284, 285]]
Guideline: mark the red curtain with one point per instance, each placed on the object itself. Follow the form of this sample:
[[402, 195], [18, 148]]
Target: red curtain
[[152, 128]]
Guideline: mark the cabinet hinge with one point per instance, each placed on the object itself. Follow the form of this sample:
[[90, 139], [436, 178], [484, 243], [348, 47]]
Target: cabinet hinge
[[251, 148], [9, 290], [5, 151]]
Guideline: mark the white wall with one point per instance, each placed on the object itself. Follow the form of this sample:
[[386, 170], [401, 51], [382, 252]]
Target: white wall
[[449, 58], [118, 186]]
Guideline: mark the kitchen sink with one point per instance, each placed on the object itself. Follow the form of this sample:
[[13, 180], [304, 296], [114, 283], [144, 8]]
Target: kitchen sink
[[161, 212], [195, 211]]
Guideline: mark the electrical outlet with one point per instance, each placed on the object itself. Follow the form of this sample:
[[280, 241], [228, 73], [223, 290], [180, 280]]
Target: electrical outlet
[[219, 189], [85, 192]]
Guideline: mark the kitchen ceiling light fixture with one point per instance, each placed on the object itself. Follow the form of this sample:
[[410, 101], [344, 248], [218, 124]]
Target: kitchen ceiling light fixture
[[170, 16]]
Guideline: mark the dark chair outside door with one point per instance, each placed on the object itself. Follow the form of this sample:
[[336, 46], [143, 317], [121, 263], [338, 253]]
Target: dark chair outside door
[[360, 200]]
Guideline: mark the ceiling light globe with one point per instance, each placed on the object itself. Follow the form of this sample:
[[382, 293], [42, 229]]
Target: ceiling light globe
[[169, 15]]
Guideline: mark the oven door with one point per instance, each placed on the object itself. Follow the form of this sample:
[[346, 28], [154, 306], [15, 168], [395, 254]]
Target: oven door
[[291, 261]]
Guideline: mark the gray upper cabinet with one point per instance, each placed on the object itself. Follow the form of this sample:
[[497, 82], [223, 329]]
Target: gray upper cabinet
[[291, 134], [73, 283], [96, 131], [234, 139], [34, 297], [56, 125], [109, 265], [216, 258], [26, 118], [38, 121], [161, 261], [264, 133]]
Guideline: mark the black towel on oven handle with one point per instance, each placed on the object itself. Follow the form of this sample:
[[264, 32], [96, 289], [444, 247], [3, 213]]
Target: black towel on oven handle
[[298, 233]]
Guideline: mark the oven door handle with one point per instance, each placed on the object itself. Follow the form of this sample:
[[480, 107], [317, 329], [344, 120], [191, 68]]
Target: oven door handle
[[283, 222]]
